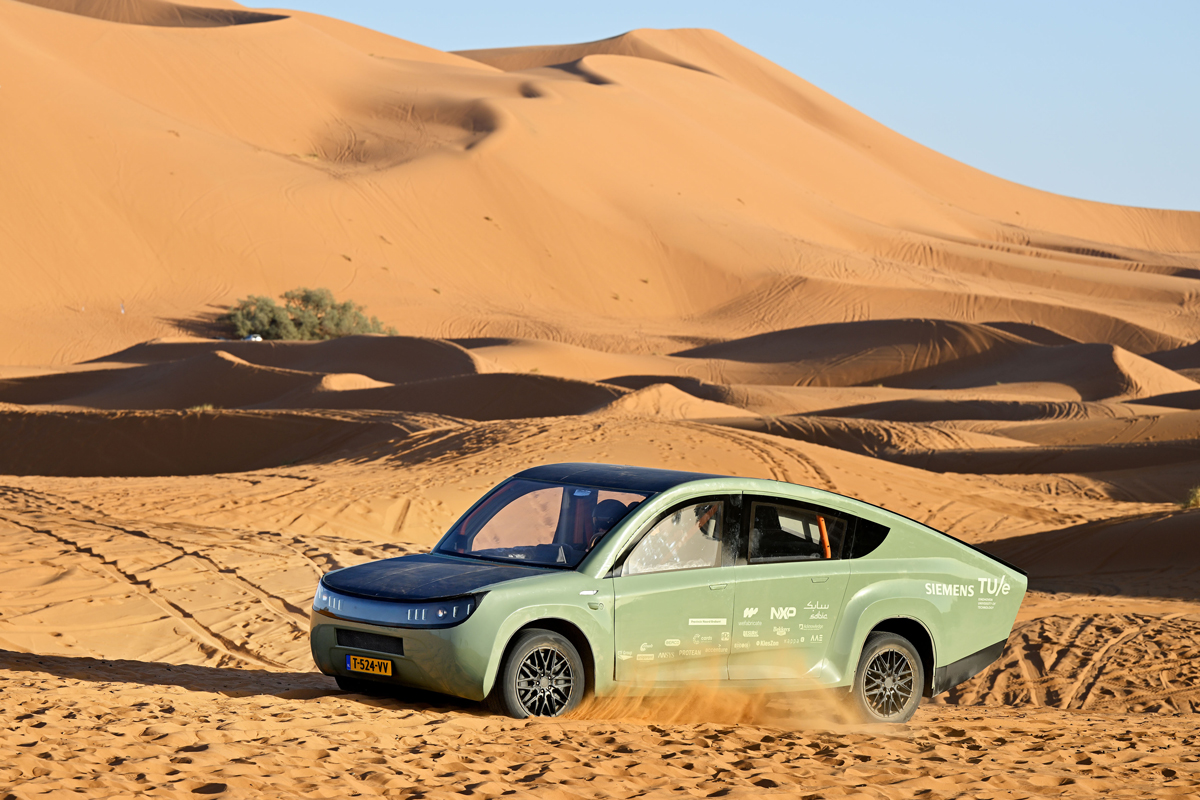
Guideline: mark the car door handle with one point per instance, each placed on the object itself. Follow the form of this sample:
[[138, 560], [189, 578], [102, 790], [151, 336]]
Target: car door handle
[[820, 579], [717, 585]]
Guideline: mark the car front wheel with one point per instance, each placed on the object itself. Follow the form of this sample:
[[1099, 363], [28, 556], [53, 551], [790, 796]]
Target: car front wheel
[[889, 680], [542, 676]]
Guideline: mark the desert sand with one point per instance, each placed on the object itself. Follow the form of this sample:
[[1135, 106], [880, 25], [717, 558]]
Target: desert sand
[[656, 249]]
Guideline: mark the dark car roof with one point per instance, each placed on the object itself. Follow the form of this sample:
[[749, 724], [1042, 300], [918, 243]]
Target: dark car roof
[[614, 476]]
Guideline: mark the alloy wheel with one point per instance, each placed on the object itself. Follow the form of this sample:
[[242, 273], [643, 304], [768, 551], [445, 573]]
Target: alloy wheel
[[888, 684], [544, 682]]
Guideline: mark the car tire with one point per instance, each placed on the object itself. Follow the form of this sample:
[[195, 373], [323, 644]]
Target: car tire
[[542, 676], [889, 680]]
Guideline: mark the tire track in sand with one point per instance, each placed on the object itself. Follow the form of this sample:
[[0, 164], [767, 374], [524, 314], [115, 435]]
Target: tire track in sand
[[277, 604], [205, 636]]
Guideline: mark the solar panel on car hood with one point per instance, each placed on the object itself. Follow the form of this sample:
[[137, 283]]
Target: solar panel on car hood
[[422, 577]]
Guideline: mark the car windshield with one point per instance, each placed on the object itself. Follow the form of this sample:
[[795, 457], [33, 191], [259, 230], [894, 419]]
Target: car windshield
[[535, 522]]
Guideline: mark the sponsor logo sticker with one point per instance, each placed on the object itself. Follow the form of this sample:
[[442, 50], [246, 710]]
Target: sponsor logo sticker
[[708, 621], [987, 590]]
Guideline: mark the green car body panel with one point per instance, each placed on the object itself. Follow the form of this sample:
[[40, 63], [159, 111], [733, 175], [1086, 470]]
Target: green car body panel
[[775, 626]]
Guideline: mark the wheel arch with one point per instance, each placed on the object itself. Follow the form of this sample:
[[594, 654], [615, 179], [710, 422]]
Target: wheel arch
[[919, 636], [572, 633]]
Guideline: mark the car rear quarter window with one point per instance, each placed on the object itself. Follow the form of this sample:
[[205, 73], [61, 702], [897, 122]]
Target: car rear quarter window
[[782, 532], [867, 537]]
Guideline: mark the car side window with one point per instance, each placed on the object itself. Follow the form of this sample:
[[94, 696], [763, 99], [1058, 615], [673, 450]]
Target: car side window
[[687, 538], [785, 533]]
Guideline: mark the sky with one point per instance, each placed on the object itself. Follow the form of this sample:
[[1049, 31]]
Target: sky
[[1099, 100]]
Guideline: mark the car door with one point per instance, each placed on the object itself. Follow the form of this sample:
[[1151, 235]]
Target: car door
[[788, 590], [674, 595]]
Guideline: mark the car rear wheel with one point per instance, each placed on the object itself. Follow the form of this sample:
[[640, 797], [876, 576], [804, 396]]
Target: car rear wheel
[[889, 680], [542, 676]]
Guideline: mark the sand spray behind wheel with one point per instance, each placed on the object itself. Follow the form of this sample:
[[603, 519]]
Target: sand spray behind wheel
[[769, 703]]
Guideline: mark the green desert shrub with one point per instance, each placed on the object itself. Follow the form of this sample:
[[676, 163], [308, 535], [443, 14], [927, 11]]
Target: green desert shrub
[[305, 314], [1192, 500]]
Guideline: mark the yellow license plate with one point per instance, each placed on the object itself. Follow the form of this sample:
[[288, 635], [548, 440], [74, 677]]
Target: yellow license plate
[[373, 666]]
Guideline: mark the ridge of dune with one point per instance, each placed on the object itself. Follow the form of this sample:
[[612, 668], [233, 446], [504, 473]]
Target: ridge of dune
[[475, 202], [1179, 358], [1141, 427], [1095, 371], [160, 13], [713, 53], [487, 396], [347, 382], [1147, 378], [213, 378], [388, 359], [665, 401], [882, 439], [853, 353]]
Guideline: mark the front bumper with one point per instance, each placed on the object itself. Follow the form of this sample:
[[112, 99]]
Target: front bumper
[[445, 660]]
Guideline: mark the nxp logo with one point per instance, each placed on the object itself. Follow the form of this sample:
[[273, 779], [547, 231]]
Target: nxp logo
[[783, 612]]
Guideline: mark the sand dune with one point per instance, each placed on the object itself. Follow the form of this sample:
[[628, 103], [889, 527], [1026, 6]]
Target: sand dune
[[889, 440], [155, 12], [214, 379], [665, 401], [1039, 460], [948, 406], [1095, 371], [1099, 550], [1141, 428], [479, 397], [458, 199], [390, 359], [188, 443], [1181, 358], [858, 352], [655, 249]]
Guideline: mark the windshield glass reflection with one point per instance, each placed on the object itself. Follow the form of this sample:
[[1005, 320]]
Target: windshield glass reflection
[[550, 524]]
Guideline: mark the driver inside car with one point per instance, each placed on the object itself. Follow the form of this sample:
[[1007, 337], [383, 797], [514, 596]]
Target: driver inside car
[[605, 516]]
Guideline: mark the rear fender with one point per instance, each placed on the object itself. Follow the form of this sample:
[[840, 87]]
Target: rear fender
[[868, 607]]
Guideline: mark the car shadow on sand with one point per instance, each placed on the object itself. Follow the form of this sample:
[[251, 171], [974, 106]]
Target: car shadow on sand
[[226, 681]]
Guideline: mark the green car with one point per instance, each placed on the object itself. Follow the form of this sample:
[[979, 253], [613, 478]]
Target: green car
[[571, 579]]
